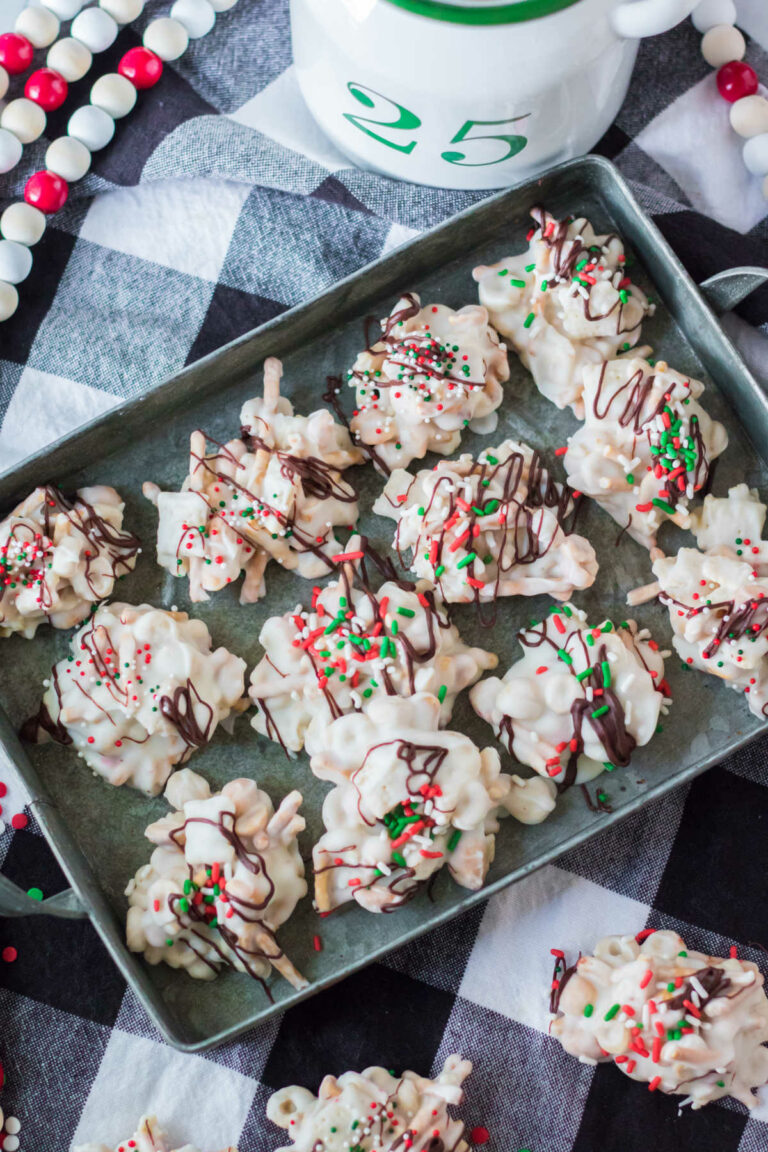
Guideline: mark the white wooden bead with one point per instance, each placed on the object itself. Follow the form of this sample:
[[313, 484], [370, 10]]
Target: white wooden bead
[[114, 94], [749, 116], [24, 118], [15, 261], [64, 9], [39, 25], [9, 300], [197, 16], [222, 5], [69, 57], [755, 153], [68, 158], [722, 44], [91, 126], [124, 11], [167, 38], [10, 149], [708, 13], [22, 223], [95, 28], [4, 81]]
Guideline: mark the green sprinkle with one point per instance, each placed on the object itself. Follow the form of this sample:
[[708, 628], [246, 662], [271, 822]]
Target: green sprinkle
[[454, 839], [600, 711], [169, 942], [720, 1083], [671, 986], [665, 507], [467, 560], [564, 656], [682, 953], [439, 570], [530, 267], [607, 627], [491, 459], [590, 640], [528, 320], [184, 904], [504, 272], [606, 674], [588, 1009], [518, 283], [368, 692], [629, 478], [583, 675], [612, 1011], [409, 612], [442, 692], [399, 859], [608, 766], [34, 893]]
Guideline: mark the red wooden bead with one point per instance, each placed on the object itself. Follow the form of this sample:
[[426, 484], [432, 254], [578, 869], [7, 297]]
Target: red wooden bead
[[735, 80], [47, 88], [15, 53], [142, 67], [46, 191]]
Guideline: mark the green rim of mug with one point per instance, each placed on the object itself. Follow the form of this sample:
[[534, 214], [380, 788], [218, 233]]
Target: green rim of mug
[[486, 14]]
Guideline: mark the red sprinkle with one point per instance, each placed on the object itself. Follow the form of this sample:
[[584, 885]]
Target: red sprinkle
[[9, 954], [654, 1084], [646, 932], [559, 624], [479, 1135], [341, 556], [561, 451], [317, 944], [647, 978], [19, 821]]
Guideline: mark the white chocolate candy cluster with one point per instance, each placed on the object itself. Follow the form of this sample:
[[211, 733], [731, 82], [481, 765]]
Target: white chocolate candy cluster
[[149, 1137], [276, 494], [374, 1111], [646, 446], [718, 609], [682, 1022], [433, 372], [226, 873], [580, 699], [733, 526], [59, 557], [408, 799], [139, 693], [352, 646], [565, 303], [480, 529]]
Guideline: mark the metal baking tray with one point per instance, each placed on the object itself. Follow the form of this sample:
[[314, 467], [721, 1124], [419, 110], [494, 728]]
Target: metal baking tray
[[96, 831]]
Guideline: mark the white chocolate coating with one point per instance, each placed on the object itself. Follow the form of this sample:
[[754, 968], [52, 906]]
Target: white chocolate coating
[[433, 372], [633, 415], [492, 527], [59, 557], [408, 799], [565, 303], [226, 873], [549, 714], [277, 494], [140, 692], [149, 1137], [309, 676], [718, 609], [702, 1039], [374, 1111], [733, 525]]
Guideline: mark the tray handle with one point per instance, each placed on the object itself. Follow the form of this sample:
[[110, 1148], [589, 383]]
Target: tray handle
[[726, 289], [15, 902]]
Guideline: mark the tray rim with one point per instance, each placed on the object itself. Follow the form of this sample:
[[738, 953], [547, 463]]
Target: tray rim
[[62, 840]]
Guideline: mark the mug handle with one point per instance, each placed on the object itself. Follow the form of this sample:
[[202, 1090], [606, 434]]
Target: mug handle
[[726, 289], [14, 901], [649, 17]]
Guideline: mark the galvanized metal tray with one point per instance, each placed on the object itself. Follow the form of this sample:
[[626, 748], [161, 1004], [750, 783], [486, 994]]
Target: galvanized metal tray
[[97, 831]]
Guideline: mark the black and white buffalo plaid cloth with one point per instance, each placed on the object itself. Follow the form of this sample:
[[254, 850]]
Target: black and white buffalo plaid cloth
[[218, 205]]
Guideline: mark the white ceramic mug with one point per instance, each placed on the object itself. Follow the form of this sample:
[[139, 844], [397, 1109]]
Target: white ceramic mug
[[469, 93]]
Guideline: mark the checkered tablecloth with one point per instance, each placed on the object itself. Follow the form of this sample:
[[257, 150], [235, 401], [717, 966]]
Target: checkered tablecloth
[[218, 205]]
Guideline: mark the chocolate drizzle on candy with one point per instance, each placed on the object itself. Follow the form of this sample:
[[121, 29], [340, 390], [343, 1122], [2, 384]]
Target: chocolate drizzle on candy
[[59, 556], [682, 1022], [274, 494], [226, 874], [495, 526], [353, 644], [580, 700], [646, 448], [567, 302], [140, 691], [432, 372], [374, 1111]]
